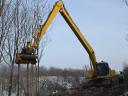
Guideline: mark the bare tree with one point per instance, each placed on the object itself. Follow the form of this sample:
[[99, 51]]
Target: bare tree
[[17, 25], [4, 25], [126, 2], [2, 3], [41, 9]]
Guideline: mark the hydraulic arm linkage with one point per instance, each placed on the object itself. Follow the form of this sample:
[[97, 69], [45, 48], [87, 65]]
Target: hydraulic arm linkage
[[98, 69]]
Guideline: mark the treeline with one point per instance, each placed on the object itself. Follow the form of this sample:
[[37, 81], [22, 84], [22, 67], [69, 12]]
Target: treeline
[[52, 71], [43, 71]]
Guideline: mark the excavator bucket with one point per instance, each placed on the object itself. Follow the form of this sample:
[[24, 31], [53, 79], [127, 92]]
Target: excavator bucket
[[25, 59], [26, 56], [28, 51]]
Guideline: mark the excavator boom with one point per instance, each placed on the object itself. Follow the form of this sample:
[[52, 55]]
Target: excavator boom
[[98, 69], [59, 8]]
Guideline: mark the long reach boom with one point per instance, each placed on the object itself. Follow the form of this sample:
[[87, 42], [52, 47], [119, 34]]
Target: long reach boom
[[98, 69]]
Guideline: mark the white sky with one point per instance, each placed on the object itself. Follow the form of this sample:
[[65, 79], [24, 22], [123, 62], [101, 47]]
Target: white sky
[[104, 24]]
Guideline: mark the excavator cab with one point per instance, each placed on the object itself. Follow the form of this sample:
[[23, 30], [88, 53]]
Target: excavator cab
[[102, 69], [27, 56]]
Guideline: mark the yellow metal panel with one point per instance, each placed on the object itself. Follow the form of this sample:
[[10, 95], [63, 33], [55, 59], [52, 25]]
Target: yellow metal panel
[[80, 36], [47, 23]]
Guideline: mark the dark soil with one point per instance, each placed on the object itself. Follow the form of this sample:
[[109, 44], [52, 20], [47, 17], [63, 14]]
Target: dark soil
[[117, 90]]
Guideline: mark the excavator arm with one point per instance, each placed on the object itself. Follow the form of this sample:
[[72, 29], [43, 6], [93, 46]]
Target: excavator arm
[[97, 69], [59, 8]]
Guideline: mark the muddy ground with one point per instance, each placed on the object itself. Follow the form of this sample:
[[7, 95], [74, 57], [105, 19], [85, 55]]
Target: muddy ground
[[117, 90]]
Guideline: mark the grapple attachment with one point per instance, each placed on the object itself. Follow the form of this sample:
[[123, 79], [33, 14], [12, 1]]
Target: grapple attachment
[[27, 56]]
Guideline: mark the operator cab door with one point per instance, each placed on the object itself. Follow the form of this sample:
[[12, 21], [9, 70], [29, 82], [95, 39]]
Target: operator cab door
[[102, 69]]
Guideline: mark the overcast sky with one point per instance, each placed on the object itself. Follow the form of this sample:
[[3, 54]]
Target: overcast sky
[[104, 23]]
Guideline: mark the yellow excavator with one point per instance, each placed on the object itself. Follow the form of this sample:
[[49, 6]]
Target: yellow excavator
[[100, 71]]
